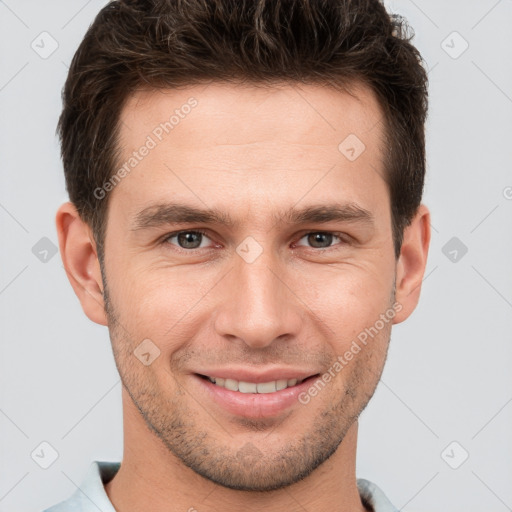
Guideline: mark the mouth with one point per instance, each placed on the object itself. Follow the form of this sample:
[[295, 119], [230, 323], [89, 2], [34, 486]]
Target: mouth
[[255, 400], [269, 387]]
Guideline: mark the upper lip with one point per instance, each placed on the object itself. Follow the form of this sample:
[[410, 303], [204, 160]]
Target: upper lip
[[266, 375]]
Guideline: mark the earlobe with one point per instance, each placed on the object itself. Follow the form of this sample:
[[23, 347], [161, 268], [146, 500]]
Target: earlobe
[[412, 263], [79, 256]]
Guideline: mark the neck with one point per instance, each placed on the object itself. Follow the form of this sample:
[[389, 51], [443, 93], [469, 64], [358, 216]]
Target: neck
[[152, 477]]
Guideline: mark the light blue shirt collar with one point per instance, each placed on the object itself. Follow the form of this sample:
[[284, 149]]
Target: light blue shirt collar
[[91, 495]]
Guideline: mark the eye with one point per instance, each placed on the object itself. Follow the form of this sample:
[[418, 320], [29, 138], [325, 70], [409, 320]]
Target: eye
[[196, 239], [321, 239], [187, 239]]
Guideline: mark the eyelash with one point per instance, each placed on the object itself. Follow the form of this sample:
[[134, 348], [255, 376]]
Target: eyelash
[[341, 236]]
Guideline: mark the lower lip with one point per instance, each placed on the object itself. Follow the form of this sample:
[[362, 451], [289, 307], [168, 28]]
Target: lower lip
[[255, 405]]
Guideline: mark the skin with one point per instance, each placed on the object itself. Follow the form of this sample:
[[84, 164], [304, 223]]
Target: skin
[[250, 152]]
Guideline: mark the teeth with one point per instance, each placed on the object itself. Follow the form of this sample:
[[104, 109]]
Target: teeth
[[281, 384], [266, 387], [252, 387], [247, 387], [231, 384]]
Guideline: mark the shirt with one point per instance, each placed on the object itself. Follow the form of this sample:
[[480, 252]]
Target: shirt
[[91, 495]]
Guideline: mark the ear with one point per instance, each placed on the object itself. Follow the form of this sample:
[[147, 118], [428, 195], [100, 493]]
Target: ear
[[411, 263], [80, 259]]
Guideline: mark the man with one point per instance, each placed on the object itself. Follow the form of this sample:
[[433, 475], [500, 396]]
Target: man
[[245, 216]]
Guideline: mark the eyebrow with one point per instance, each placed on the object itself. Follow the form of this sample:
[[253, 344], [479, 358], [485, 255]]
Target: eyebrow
[[177, 213]]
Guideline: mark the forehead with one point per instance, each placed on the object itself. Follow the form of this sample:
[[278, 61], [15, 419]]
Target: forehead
[[253, 143], [251, 113]]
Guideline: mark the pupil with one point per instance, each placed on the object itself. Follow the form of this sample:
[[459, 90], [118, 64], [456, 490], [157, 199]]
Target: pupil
[[192, 239], [187, 241], [317, 237]]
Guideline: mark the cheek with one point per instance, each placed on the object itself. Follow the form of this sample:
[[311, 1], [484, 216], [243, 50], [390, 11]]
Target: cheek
[[168, 304], [161, 306], [347, 298]]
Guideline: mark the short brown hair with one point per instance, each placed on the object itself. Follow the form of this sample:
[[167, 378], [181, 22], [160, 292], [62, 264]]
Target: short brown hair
[[136, 44]]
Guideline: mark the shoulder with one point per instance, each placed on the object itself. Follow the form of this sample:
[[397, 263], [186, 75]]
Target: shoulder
[[373, 497], [90, 495]]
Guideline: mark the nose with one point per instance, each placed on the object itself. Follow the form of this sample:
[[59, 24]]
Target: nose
[[258, 304]]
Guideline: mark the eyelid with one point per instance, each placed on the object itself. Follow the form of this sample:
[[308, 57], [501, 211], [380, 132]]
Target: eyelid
[[165, 238], [343, 237]]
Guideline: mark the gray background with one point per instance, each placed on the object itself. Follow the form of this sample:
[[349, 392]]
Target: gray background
[[447, 377]]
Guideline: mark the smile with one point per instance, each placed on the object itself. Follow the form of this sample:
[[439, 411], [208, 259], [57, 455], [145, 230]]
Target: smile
[[253, 387]]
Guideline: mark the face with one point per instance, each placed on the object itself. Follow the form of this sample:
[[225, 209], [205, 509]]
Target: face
[[246, 244]]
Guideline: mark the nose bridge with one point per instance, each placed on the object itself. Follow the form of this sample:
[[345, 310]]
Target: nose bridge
[[259, 307]]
